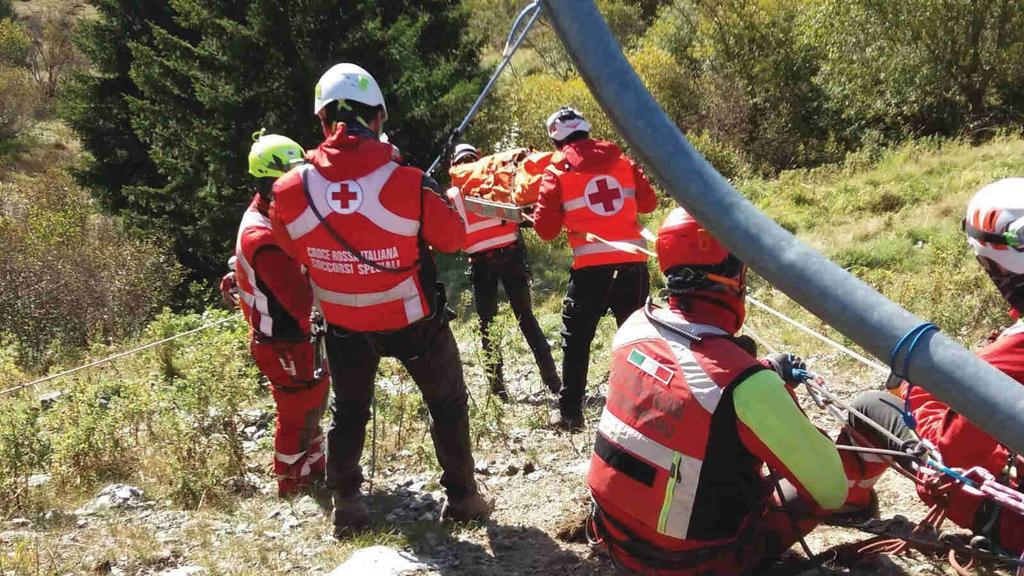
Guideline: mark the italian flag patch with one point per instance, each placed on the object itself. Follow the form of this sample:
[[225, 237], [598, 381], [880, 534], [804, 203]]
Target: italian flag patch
[[645, 363]]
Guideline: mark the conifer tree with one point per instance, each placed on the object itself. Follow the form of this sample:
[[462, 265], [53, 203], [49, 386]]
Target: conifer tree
[[203, 75]]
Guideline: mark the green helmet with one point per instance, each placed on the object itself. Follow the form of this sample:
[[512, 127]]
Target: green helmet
[[272, 155]]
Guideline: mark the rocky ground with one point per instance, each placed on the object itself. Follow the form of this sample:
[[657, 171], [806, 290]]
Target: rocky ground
[[535, 475]]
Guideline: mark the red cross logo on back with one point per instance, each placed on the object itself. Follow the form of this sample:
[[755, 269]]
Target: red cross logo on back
[[344, 197], [604, 195]]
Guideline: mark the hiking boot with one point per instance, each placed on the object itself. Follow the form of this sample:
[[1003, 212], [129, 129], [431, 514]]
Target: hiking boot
[[469, 508], [853, 513], [350, 515], [549, 376], [570, 422]]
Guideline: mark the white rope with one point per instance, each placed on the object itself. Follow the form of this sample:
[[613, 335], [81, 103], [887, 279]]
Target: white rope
[[116, 356], [757, 338], [859, 357]]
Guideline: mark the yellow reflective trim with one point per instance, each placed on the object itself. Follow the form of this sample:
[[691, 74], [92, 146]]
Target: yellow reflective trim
[[670, 488]]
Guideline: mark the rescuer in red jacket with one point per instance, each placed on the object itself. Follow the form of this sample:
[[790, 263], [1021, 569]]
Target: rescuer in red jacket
[[595, 192], [690, 419], [995, 231], [361, 224], [275, 297], [496, 253]]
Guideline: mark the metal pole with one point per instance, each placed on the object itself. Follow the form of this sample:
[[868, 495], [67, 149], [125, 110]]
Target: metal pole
[[987, 397], [510, 50]]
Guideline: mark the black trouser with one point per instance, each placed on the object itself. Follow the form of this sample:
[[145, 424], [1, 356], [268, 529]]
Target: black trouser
[[883, 409], [428, 351], [507, 265], [593, 291]]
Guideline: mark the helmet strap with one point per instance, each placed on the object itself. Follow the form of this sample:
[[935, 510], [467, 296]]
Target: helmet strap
[[265, 187], [1012, 239]]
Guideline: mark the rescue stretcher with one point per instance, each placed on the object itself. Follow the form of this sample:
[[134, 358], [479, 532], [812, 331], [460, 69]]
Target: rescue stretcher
[[505, 211]]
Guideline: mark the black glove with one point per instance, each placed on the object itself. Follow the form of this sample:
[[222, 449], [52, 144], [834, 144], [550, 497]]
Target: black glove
[[784, 364]]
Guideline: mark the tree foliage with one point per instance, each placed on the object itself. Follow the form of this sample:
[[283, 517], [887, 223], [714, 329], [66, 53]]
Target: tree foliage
[[923, 66], [182, 85]]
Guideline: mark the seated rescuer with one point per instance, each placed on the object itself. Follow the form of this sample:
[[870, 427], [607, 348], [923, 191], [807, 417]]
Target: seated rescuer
[[275, 297], [995, 231], [595, 192], [496, 253], [690, 419], [361, 224]]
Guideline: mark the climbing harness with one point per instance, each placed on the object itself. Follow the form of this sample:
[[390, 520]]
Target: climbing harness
[[530, 14]]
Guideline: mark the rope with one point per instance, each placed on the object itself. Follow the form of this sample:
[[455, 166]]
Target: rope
[[116, 356], [926, 535], [859, 357], [510, 49], [757, 338]]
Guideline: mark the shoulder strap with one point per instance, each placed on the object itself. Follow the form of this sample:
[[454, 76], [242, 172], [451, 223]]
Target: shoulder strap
[[337, 237]]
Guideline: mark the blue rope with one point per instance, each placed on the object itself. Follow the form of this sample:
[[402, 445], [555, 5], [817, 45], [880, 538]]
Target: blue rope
[[913, 336], [951, 473]]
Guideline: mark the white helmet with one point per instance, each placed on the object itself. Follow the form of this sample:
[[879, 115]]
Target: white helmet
[[995, 231], [565, 122], [995, 223], [348, 82], [464, 150]]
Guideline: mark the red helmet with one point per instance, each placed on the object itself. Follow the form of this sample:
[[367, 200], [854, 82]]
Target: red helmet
[[683, 243]]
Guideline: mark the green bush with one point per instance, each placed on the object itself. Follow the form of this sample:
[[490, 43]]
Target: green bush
[[70, 275], [14, 43], [517, 114], [165, 418], [16, 109]]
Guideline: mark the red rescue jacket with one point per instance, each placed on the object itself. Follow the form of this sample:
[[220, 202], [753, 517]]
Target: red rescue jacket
[[595, 189], [272, 290], [385, 212]]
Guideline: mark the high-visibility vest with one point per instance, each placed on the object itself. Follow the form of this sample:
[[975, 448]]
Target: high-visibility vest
[[483, 233], [264, 314], [378, 215], [604, 204], [647, 472]]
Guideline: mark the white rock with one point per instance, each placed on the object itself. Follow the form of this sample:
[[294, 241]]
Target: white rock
[[37, 480], [117, 496], [379, 561], [577, 469]]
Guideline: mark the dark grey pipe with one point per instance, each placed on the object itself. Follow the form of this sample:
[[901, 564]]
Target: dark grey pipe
[[984, 395]]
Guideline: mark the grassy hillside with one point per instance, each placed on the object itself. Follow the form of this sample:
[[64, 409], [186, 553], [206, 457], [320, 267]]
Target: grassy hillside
[[178, 421]]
